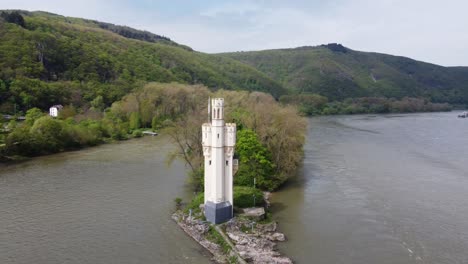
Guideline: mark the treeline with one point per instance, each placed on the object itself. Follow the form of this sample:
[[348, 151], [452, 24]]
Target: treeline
[[41, 134], [313, 104], [132, 33], [338, 72], [269, 138], [90, 125], [69, 60], [13, 17]]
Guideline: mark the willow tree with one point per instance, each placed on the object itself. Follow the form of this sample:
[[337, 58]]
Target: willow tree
[[182, 109]]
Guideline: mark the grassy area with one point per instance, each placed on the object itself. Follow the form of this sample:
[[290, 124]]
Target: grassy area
[[215, 237]]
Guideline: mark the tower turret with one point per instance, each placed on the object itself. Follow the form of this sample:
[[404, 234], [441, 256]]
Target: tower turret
[[218, 141]]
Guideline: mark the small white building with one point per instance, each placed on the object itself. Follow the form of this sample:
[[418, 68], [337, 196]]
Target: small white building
[[54, 110], [218, 140]]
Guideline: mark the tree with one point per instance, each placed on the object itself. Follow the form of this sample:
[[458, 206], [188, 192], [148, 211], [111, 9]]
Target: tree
[[67, 112], [135, 121], [32, 115], [254, 162], [98, 103], [14, 17], [48, 134], [154, 123]]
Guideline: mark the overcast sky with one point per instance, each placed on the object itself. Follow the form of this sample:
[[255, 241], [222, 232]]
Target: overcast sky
[[427, 30]]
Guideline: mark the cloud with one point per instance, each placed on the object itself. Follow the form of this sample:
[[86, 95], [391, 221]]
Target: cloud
[[241, 8], [427, 30]]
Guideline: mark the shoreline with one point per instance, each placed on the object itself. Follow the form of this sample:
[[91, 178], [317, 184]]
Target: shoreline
[[243, 239], [15, 159]]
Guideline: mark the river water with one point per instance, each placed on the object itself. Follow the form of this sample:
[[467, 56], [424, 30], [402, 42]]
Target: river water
[[108, 204], [379, 189], [373, 189]]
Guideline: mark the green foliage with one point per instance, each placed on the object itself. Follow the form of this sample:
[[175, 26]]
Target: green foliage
[[337, 73], [98, 103], [13, 17], [194, 205], [76, 61], [309, 104], [48, 134], [178, 202], [155, 123], [67, 112], [367, 105], [244, 197], [41, 134], [216, 237], [32, 115], [135, 120], [254, 162], [137, 133], [196, 179]]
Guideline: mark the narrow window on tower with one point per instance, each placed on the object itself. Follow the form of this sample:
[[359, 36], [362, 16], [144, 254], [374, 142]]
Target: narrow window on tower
[[227, 162], [209, 162], [218, 135]]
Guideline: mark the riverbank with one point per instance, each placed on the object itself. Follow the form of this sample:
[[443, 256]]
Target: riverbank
[[244, 239], [11, 159], [106, 204]]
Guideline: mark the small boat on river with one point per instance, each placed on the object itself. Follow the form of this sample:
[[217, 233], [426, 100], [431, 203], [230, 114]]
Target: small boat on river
[[463, 115]]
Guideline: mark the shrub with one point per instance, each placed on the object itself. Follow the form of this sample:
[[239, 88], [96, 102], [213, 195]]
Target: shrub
[[137, 133], [196, 201], [244, 197]]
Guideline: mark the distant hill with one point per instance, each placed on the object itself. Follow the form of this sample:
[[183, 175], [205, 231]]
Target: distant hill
[[338, 72], [47, 59]]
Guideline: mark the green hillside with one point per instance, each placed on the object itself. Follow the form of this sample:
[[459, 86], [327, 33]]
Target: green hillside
[[47, 59], [338, 73]]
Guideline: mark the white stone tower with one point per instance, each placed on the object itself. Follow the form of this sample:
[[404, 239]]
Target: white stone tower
[[218, 140]]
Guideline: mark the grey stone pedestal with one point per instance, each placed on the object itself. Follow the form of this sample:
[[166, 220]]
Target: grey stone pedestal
[[218, 213]]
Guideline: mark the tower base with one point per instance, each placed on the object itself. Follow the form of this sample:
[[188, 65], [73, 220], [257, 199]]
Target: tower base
[[218, 213]]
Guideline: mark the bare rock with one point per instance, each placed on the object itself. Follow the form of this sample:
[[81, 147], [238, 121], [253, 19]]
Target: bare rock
[[276, 237], [270, 227], [255, 213], [239, 238]]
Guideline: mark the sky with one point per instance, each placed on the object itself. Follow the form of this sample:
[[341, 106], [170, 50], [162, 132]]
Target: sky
[[426, 30]]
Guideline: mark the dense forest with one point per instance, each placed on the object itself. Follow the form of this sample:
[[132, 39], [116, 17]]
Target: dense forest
[[314, 104], [47, 59], [338, 73]]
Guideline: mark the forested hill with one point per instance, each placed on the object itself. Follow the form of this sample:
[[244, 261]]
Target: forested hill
[[338, 72], [47, 59]]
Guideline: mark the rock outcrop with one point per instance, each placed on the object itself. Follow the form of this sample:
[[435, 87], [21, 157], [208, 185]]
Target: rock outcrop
[[256, 244], [253, 242]]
